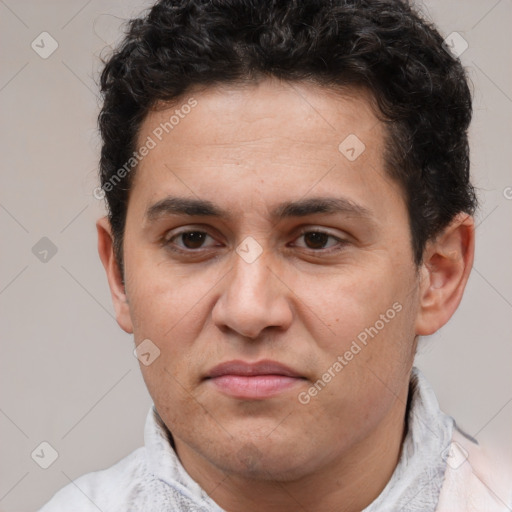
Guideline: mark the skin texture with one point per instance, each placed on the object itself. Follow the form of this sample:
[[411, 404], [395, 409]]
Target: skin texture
[[301, 302]]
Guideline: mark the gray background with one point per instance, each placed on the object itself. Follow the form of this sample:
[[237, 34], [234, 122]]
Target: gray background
[[68, 375]]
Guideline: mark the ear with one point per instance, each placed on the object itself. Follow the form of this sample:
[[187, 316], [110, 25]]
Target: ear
[[115, 281], [447, 262]]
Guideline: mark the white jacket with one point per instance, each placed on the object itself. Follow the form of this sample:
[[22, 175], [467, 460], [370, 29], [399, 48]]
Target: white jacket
[[473, 481], [440, 470]]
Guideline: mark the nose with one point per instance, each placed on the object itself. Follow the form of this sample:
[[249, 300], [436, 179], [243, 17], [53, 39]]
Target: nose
[[252, 299]]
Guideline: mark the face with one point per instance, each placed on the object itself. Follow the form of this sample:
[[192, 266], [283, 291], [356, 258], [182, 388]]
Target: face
[[262, 236]]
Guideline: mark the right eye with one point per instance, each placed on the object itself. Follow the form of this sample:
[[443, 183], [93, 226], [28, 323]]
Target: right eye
[[191, 241]]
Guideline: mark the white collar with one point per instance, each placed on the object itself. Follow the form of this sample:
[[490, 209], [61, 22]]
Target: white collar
[[418, 477]]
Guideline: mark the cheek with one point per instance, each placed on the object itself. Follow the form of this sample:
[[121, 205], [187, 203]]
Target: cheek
[[345, 303], [161, 298], [370, 320], [376, 346]]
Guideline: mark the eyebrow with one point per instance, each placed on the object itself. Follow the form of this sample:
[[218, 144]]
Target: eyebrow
[[301, 208]]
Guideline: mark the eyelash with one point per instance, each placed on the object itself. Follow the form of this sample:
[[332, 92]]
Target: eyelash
[[168, 243]]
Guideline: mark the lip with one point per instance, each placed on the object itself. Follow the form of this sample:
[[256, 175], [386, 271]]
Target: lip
[[259, 380], [246, 369]]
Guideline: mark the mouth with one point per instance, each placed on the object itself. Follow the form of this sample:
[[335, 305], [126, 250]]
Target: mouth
[[244, 380]]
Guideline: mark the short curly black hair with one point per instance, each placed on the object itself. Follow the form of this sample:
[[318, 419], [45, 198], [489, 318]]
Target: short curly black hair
[[420, 89]]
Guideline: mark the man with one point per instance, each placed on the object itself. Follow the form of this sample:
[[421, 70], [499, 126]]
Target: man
[[289, 210]]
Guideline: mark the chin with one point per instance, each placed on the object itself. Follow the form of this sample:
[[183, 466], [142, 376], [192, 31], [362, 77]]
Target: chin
[[265, 459]]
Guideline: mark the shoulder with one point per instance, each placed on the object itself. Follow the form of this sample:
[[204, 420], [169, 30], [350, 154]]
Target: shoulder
[[98, 489], [476, 478]]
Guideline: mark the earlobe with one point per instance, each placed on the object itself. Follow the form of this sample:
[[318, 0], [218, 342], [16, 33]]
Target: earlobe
[[445, 270], [115, 280]]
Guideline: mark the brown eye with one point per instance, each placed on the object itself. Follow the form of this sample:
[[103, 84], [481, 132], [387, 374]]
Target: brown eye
[[193, 239], [189, 241], [316, 239], [320, 241]]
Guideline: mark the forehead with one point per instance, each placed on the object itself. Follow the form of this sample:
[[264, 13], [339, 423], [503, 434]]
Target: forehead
[[269, 111], [264, 143]]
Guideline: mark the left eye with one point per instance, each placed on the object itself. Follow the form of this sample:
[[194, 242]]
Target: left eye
[[319, 239]]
